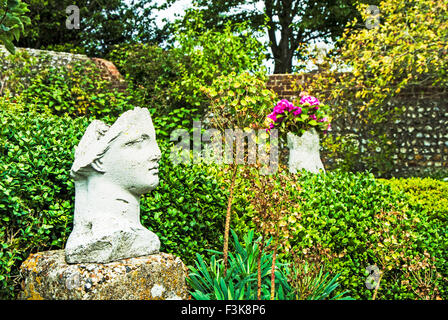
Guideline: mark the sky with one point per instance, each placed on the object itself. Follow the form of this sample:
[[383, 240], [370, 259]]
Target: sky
[[178, 8]]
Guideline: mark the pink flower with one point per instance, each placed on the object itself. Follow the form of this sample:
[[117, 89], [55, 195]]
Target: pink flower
[[282, 106], [273, 116], [309, 99], [313, 116], [271, 126], [297, 111], [324, 119]]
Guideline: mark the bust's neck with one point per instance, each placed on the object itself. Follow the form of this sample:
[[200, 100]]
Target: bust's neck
[[107, 200]]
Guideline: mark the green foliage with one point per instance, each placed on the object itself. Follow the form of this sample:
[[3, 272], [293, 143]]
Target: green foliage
[[66, 47], [187, 209], [371, 66], [12, 22], [170, 80], [76, 89], [239, 100], [103, 24], [37, 193], [351, 154], [308, 286], [179, 118], [414, 39], [427, 195], [289, 25], [150, 71], [353, 215], [240, 281], [210, 54], [349, 215]]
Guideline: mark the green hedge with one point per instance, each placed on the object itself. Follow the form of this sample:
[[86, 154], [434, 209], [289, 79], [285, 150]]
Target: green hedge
[[342, 212], [425, 194], [37, 194]]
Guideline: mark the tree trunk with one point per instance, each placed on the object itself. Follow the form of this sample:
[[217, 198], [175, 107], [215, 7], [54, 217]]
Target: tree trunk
[[228, 215], [283, 62], [283, 50]]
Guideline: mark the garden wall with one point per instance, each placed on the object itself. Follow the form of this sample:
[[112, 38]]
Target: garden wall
[[419, 137], [57, 59]]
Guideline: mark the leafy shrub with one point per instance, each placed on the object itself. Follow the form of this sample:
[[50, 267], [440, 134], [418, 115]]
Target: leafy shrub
[[212, 53], [427, 195], [150, 71], [238, 100], [179, 118], [187, 209], [37, 194], [240, 280], [367, 223], [36, 191], [168, 79], [76, 89], [363, 222], [12, 22]]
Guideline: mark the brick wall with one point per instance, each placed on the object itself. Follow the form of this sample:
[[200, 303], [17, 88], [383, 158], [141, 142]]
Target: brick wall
[[285, 85], [110, 73], [418, 139]]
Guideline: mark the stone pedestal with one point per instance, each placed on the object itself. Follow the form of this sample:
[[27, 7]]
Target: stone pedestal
[[304, 152], [154, 277]]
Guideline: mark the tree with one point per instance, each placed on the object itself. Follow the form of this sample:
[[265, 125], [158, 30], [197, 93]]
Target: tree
[[290, 25], [12, 22], [103, 23], [408, 47], [210, 53], [405, 50]]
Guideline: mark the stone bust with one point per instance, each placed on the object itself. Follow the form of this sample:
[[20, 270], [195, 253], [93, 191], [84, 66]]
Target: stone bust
[[113, 166]]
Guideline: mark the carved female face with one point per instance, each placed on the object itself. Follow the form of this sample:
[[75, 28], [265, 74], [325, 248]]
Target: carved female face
[[132, 159]]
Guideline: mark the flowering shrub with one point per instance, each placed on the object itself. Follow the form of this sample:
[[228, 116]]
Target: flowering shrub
[[309, 113]]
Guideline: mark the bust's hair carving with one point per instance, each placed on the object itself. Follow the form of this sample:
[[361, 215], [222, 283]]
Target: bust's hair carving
[[98, 137]]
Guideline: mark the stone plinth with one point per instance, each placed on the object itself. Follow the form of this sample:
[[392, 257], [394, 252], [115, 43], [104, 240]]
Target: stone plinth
[[154, 277], [304, 152]]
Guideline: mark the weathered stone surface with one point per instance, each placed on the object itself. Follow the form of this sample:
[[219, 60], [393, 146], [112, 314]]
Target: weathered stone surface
[[304, 152], [155, 277]]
